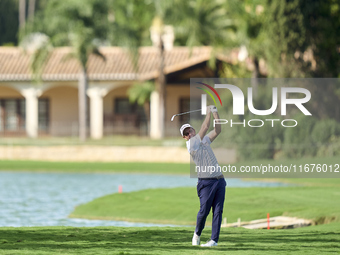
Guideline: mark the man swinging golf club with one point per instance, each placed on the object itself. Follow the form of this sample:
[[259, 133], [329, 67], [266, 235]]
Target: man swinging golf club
[[211, 184]]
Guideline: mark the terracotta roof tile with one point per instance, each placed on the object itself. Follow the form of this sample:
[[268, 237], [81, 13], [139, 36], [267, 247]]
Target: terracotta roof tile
[[15, 64]]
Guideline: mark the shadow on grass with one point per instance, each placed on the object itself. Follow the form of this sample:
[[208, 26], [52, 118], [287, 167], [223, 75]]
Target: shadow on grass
[[157, 240]]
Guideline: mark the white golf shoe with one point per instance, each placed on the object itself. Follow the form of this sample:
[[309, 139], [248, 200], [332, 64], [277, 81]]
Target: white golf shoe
[[209, 244], [196, 239]]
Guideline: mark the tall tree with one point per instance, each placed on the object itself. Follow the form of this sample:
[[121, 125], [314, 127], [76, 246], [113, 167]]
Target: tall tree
[[31, 8], [296, 38], [248, 19], [195, 23], [322, 24], [286, 33], [202, 23], [157, 32], [133, 20], [9, 22], [22, 13], [82, 25]]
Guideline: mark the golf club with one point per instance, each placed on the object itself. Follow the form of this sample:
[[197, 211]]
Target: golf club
[[172, 118]]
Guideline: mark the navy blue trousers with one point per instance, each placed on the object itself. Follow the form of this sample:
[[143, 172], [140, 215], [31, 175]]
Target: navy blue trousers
[[211, 194]]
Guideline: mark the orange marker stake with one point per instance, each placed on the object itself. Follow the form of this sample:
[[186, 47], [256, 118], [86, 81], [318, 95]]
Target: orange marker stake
[[268, 221], [120, 189]]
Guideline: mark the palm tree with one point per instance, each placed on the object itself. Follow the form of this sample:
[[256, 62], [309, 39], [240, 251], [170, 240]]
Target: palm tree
[[82, 48], [197, 23], [31, 9], [249, 18], [22, 13], [80, 24], [203, 23], [157, 30], [132, 21]]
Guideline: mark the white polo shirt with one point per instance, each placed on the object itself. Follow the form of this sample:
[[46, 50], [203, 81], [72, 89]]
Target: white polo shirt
[[203, 156]]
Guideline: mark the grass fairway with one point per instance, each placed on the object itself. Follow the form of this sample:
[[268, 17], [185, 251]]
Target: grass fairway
[[89, 167], [115, 140], [318, 200], [179, 206], [324, 239], [145, 167]]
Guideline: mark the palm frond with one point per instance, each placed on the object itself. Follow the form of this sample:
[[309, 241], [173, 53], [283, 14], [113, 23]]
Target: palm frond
[[39, 47], [140, 93], [96, 52]]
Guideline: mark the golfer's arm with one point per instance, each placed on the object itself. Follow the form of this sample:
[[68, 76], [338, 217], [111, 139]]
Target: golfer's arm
[[205, 125], [217, 129]]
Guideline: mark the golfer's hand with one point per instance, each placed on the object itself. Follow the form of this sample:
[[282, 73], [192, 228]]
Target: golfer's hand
[[212, 108]]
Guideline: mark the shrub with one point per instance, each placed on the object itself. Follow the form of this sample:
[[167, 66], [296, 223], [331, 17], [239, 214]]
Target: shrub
[[258, 142], [326, 137], [297, 140]]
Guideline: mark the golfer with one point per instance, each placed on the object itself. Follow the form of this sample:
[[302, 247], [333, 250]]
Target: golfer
[[211, 183]]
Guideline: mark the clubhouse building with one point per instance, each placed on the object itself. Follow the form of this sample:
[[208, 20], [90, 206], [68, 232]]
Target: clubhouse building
[[28, 108]]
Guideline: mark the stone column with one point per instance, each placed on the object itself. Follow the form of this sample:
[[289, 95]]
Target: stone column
[[96, 95], [155, 124], [31, 95]]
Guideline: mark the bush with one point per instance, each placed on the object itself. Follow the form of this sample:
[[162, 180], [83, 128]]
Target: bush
[[326, 137], [324, 130], [258, 143], [297, 140], [312, 137]]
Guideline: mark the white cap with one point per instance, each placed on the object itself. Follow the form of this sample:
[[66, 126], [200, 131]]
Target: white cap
[[184, 127]]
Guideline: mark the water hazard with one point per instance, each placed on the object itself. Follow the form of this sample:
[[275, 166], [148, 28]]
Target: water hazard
[[46, 199]]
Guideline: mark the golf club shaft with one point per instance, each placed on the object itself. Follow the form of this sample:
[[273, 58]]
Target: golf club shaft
[[187, 112]]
